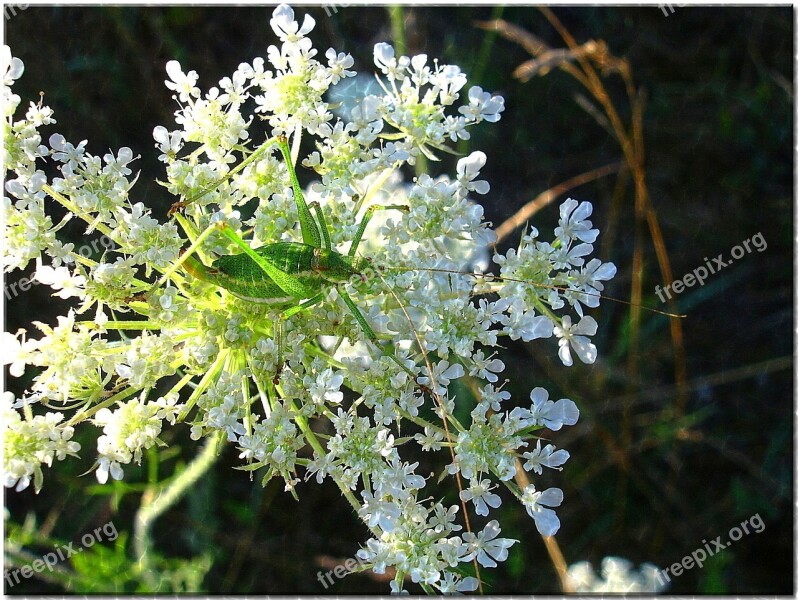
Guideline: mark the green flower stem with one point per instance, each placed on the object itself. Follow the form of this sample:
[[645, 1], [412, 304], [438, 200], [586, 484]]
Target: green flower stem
[[204, 383], [82, 416], [397, 15], [304, 426], [545, 310], [316, 351], [86, 262], [66, 203], [182, 383], [125, 325], [421, 422], [262, 388], [158, 498]]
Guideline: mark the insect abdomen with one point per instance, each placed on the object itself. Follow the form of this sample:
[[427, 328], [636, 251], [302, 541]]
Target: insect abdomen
[[242, 276]]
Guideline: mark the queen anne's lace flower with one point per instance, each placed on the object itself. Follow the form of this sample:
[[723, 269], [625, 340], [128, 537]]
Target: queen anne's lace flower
[[182, 83], [575, 337], [60, 279], [545, 457], [480, 494], [550, 414], [128, 430], [30, 443], [261, 366], [539, 506], [486, 546], [574, 223], [617, 577]]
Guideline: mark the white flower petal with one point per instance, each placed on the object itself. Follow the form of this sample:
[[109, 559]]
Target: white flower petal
[[546, 521]]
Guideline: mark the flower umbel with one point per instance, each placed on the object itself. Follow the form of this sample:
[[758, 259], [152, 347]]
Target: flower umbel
[[260, 313]]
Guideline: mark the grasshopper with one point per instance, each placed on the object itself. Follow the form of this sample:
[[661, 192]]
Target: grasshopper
[[292, 276], [287, 276]]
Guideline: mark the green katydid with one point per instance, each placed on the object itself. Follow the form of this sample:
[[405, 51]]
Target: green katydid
[[289, 276]]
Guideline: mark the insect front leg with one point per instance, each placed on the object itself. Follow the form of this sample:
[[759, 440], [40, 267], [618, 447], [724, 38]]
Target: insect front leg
[[279, 330], [366, 328], [365, 221]]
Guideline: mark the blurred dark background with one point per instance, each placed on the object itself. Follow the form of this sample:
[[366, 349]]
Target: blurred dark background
[[655, 467]]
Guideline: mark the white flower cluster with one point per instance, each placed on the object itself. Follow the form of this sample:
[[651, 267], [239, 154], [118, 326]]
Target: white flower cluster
[[617, 577], [30, 442], [561, 275], [128, 430], [259, 374]]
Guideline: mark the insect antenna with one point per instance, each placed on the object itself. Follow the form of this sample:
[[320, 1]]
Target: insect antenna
[[178, 206], [441, 404], [491, 277]]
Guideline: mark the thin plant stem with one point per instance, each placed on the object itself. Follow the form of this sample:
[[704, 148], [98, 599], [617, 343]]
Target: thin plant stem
[[158, 499], [552, 547], [396, 13]]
